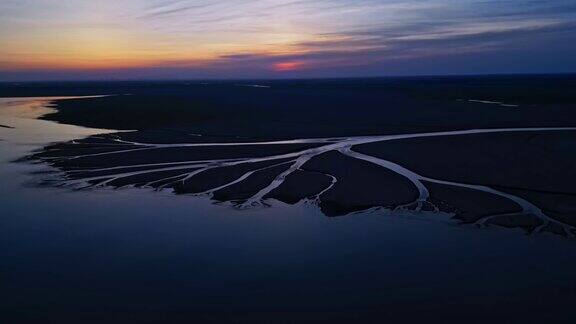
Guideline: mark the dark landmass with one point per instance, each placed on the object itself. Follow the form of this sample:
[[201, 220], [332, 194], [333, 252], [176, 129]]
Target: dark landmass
[[538, 167], [313, 108], [360, 185], [301, 185], [502, 177]]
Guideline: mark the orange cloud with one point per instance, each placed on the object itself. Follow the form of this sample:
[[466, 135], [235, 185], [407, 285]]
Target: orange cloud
[[288, 66]]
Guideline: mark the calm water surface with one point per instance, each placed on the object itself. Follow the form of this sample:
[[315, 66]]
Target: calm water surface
[[121, 256]]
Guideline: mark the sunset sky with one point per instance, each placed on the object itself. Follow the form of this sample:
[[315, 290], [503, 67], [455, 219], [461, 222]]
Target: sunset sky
[[191, 39]]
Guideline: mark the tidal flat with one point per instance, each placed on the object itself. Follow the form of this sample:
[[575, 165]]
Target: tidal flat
[[388, 174]]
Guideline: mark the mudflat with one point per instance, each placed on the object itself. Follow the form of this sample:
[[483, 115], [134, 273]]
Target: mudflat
[[490, 150]]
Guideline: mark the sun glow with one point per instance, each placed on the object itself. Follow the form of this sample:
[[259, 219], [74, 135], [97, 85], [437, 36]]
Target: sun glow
[[288, 66], [246, 38]]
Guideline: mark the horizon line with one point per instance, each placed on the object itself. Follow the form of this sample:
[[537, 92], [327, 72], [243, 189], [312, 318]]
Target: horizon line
[[398, 76]]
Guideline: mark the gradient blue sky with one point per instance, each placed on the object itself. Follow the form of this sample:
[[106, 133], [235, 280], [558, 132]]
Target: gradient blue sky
[[195, 39]]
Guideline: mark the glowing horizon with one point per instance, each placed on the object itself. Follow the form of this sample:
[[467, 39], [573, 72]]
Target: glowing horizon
[[275, 38]]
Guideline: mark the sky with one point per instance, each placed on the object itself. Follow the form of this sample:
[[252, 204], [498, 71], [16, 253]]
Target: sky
[[198, 39]]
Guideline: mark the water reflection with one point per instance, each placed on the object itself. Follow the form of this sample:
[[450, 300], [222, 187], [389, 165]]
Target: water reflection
[[24, 132]]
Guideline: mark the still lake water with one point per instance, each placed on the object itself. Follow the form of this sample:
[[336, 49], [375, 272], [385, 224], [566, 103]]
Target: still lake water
[[123, 256]]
